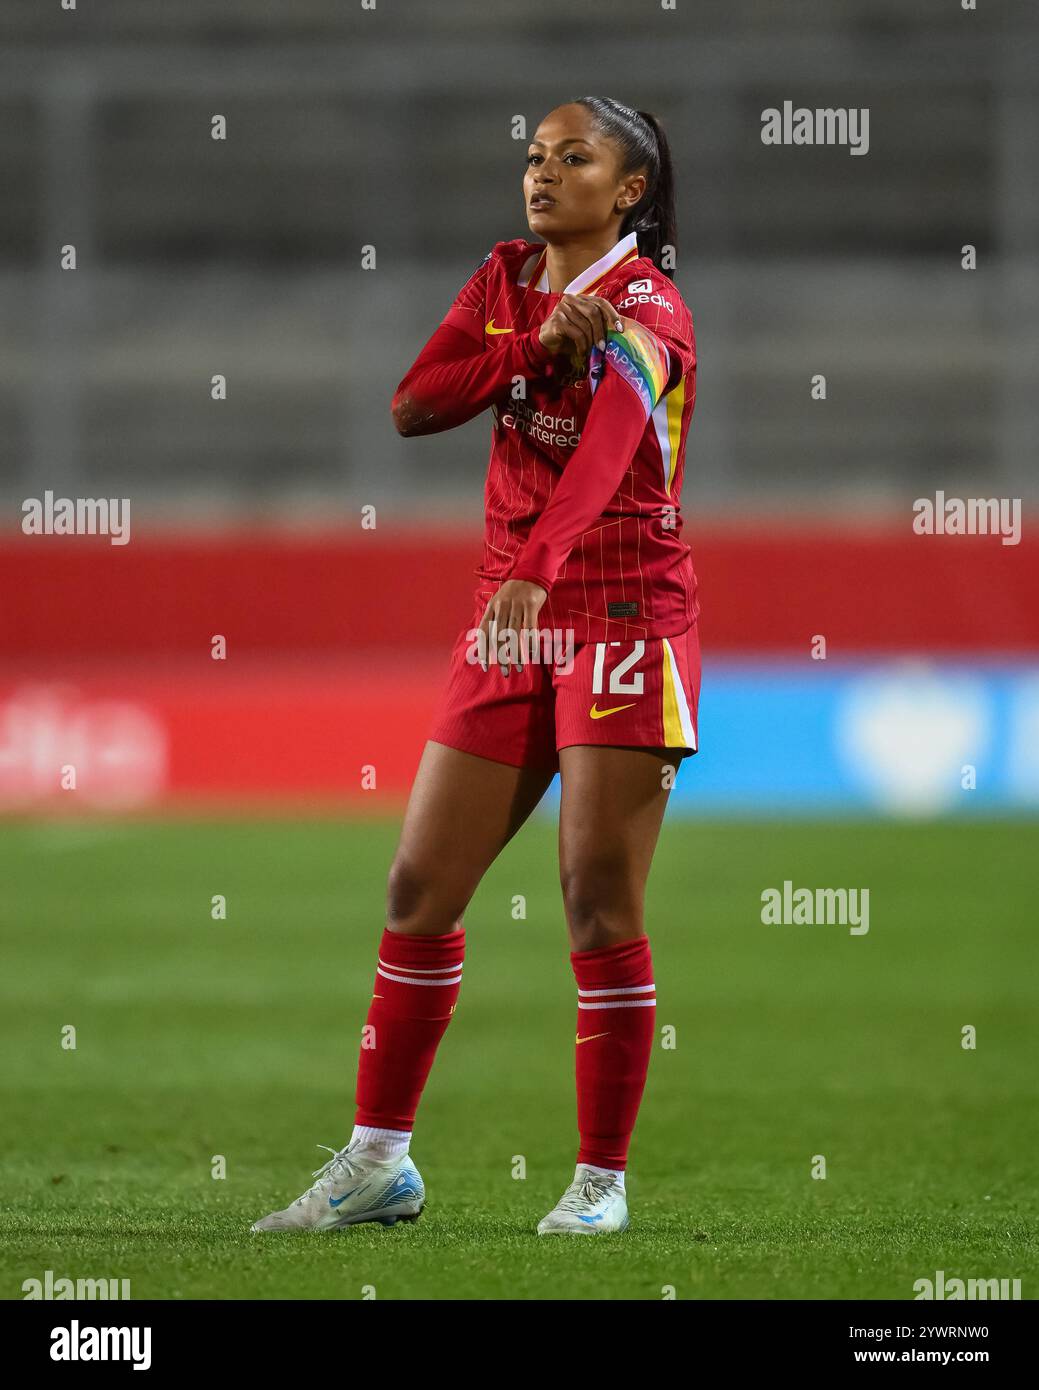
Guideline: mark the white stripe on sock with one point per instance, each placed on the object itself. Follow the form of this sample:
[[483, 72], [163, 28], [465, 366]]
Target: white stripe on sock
[[628, 989], [407, 980], [415, 970], [622, 1004]]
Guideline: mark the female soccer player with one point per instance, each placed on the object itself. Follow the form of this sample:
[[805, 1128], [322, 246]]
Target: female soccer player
[[581, 346]]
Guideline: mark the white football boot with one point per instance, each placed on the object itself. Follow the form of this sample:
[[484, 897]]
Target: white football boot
[[353, 1186], [593, 1203]]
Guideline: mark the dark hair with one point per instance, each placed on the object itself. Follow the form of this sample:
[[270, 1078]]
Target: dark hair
[[642, 144]]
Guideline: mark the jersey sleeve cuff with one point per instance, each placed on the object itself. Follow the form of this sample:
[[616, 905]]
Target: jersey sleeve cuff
[[534, 349], [531, 574]]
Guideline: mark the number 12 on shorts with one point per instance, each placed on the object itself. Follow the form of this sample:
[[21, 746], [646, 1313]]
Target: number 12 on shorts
[[618, 685]]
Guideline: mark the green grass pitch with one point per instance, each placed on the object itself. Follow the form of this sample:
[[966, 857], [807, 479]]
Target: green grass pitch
[[239, 1038]]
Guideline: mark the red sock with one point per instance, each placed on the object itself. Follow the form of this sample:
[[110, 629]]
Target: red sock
[[616, 1014], [416, 988]]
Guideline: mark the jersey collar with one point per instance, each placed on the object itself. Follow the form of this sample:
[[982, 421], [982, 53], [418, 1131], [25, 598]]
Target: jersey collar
[[534, 274]]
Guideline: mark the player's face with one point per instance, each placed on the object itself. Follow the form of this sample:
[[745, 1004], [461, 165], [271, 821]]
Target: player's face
[[573, 184]]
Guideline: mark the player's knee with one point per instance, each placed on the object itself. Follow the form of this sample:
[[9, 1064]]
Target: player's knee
[[599, 901], [416, 900]]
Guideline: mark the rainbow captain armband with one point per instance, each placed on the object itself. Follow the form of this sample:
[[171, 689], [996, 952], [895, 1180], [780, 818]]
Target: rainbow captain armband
[[639, 357]]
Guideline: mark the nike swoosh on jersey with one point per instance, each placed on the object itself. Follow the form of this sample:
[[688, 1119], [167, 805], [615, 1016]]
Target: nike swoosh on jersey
[[591, 1036], [598, 713], [491, 328]]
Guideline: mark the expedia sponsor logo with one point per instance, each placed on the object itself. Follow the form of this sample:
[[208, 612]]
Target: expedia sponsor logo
[[641, 287], [558, 430], [643, 298]]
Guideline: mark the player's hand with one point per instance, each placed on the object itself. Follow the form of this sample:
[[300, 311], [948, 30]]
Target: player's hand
[[514, 608], [575, 325]]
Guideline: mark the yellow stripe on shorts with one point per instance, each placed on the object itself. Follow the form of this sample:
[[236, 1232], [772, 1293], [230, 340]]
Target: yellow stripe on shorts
[[674, 737]]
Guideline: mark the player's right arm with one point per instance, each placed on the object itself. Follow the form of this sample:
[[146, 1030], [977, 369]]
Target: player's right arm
[[454, 378], [459, 373]]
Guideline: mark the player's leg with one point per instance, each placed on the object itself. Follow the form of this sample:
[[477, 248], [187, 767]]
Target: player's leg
[[463, 810], [611, 809], [625, 718], [613, 802]]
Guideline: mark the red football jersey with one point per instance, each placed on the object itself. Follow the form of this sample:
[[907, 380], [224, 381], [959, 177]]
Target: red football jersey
[[583, 487]]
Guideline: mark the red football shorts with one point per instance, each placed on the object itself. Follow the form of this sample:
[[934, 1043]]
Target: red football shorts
[[640, 694]]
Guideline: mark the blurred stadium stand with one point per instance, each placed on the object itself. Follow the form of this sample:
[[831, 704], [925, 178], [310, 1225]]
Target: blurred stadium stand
[[392, 128]]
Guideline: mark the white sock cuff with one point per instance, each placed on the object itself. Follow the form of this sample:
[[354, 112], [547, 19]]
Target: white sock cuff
[[387, 1143], [617, 1173]]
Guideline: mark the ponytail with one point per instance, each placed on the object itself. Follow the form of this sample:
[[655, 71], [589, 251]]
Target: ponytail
[[643, 145]]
